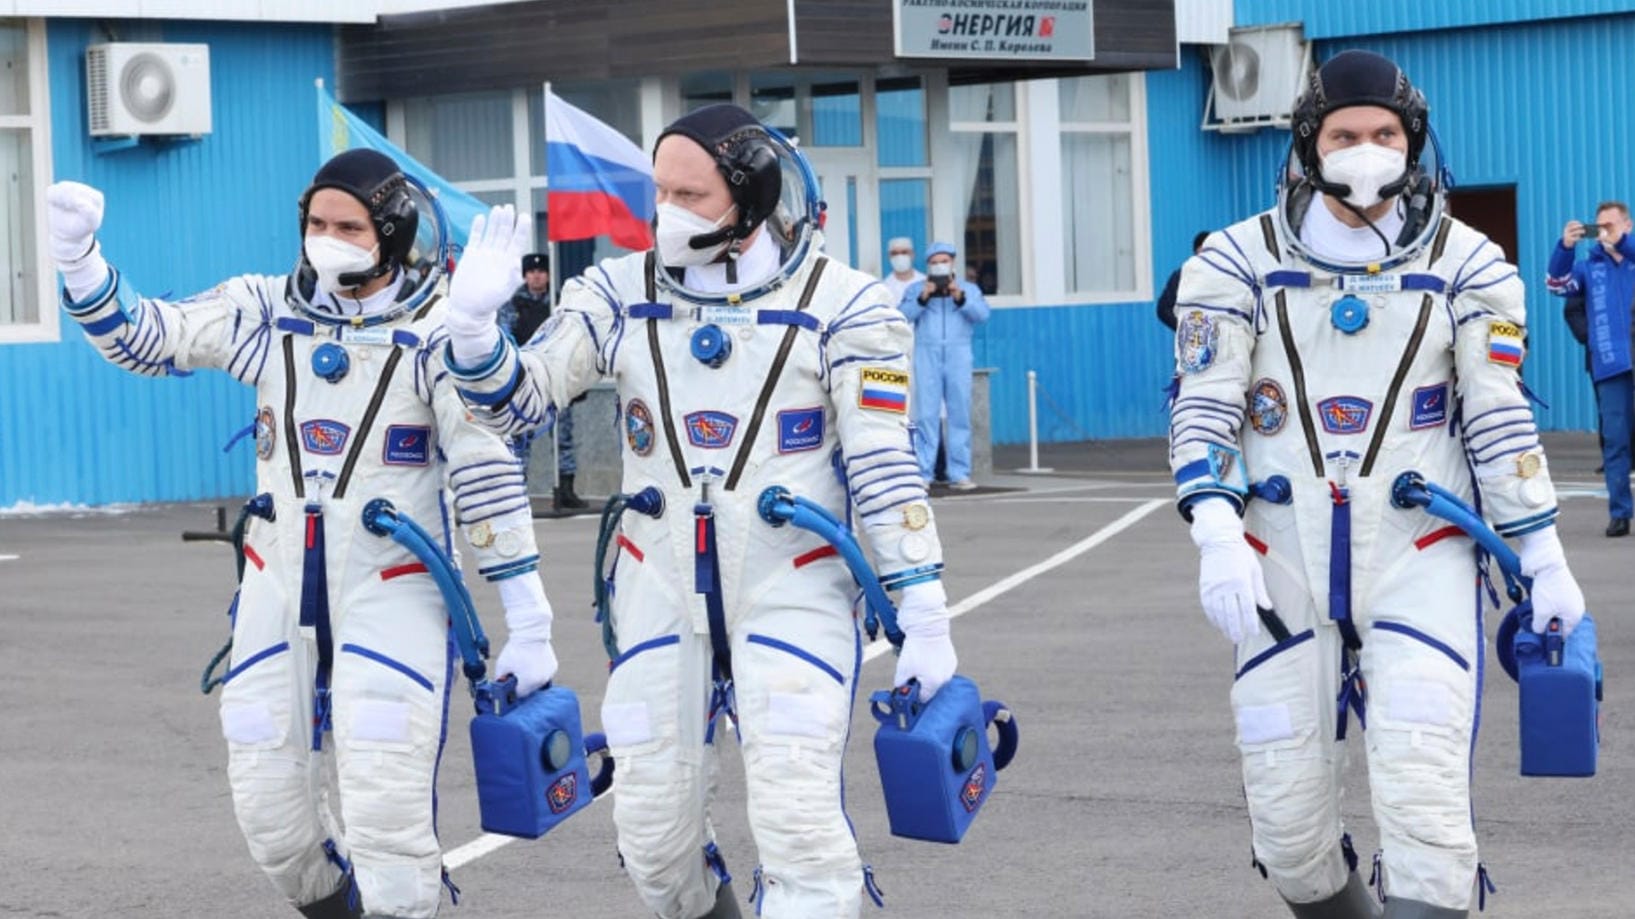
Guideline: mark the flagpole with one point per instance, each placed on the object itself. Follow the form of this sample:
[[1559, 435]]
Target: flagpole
[[556, 283], [556, 274]]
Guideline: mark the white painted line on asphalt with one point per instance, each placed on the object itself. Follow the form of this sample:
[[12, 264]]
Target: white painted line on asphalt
[[477, 848], [9, 558], [955, 497], [1071, 499], [489, 842], [1006, 584]]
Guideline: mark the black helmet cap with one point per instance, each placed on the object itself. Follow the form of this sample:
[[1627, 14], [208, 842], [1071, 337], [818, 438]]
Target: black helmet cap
[[378, 184], [746, 157], [1357, 78]]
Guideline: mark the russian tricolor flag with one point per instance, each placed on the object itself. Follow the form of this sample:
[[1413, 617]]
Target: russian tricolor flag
[[600, 182]]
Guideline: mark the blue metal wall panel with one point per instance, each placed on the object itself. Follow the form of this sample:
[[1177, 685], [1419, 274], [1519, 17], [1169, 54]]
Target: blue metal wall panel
[[1506, 117], [1330, 19], [180, 218]]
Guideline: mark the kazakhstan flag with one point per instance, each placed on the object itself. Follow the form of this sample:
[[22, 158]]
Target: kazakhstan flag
[[339, 129]]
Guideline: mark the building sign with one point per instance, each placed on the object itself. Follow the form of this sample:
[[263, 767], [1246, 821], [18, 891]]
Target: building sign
[[995, 30]]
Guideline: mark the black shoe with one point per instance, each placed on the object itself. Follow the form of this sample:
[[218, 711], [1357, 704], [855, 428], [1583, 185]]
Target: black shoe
[[1600, 470], [1619, 526], [563, 498]]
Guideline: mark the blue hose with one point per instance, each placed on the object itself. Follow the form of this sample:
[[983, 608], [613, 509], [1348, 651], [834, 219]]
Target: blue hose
[[1411, 490], [778, 506], [382, 519]]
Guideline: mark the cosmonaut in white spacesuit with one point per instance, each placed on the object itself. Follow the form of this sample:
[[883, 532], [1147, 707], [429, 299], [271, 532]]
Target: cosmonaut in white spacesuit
[[1351, 334], [744, 358], [337, 631]]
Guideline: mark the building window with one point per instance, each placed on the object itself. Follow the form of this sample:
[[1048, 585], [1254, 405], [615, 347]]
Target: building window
[[837, 111], [26, 278], [1099, 233], [982, 156], [900, 125], [465, 136], [492, 145], [705, 88]]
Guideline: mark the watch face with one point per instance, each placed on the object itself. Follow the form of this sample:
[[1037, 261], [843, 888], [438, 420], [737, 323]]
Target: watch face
[[482, 535], [916, 516], [1527, 465]]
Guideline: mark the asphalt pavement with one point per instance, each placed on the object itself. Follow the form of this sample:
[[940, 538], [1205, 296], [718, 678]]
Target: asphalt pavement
[[1076, 603]]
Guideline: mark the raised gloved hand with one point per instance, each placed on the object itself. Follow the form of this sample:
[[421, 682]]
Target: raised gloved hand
[[527, 654], [73, 214], [928, 652], [1555, 591], [489, 270], [1230, 582]]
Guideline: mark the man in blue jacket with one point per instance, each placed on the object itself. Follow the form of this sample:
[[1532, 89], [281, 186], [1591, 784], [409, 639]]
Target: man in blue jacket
[[1607, 280], [943, 311]]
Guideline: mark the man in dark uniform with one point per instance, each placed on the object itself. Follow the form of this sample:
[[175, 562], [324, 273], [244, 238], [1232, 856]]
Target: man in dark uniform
[[530, 306]]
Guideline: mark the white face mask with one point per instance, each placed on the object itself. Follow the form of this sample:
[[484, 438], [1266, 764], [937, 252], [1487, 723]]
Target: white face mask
[[1366, 168], [331, 258], [901, 263], [940, 270], [676, 226]]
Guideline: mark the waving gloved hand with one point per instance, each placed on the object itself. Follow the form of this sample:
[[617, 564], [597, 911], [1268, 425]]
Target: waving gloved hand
[[1555, 591], [73, 214], [1230, 582], [489, 270], [527, 654], [928, 652]]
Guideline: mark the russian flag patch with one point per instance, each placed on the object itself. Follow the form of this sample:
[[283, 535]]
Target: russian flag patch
[[884, 390], [1504, 344]]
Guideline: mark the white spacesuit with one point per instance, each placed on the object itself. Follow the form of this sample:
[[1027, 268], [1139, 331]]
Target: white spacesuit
[[773, 367], [336, 630], [1320, 351]]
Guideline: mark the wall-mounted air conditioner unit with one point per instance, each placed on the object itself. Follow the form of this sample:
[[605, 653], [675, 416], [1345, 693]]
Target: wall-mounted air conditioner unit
[[138, 88], [1256, 76]]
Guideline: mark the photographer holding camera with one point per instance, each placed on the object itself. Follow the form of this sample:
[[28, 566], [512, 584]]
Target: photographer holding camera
[[943, 311], [1607, 281]]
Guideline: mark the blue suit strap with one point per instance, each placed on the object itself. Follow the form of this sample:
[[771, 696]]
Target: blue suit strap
[[1288, 278], [650, 311], [787, 317], [1427, 282], [297, 326]]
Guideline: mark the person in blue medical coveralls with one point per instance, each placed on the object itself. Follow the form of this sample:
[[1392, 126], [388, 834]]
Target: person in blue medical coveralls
[[944, 311]]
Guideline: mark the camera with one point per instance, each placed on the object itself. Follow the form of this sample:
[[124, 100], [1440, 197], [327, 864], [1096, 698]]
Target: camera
[[1591, 229]]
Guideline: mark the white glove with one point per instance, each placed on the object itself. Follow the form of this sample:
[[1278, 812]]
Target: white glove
[[73, 214], [1230, 582], [527, 654], [928, 652], [489, 271], [1555, 591]]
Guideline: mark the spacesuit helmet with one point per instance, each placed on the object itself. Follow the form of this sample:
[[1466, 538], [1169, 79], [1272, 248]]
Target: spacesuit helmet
[[1357, 78], [770, 182], [1363, 78], [411, 228]]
